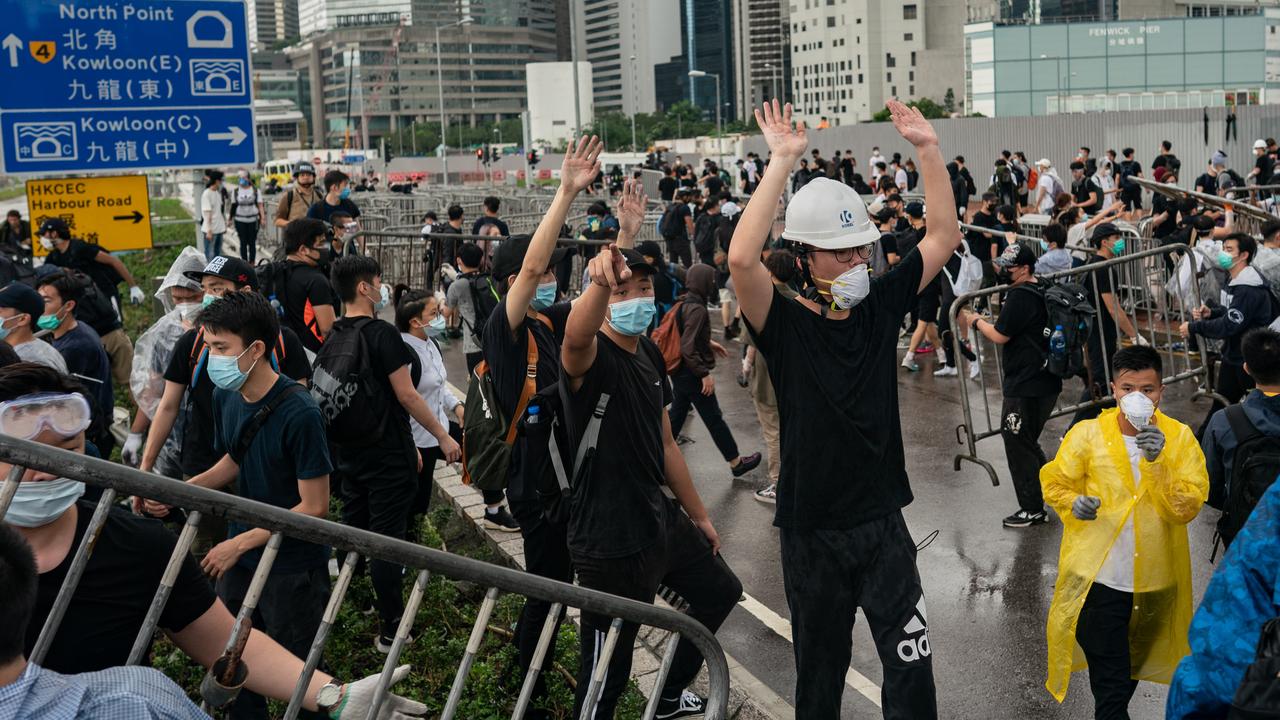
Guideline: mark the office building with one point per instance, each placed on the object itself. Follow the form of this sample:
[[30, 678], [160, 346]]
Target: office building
[[762, 53], [1184, 62], [272, 23], [552, 113], [706, 44], [623, 40]]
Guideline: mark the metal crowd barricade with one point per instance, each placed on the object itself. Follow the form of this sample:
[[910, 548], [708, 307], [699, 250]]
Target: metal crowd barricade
[[122, 481], [1155, 318], [1248, 218]]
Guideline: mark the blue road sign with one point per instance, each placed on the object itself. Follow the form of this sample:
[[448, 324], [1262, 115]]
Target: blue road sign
[[124, 85]]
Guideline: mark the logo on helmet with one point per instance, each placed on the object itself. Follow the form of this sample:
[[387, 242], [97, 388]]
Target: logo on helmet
[[846, 219]]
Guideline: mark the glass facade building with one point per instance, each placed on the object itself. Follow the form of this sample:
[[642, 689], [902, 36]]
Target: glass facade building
[[1102, 66]]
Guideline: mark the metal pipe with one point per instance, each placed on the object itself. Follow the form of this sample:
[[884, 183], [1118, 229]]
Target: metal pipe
[[397, 645], [601, 669], [74, 573], [161, 598], [535, 666], [10, 488], [322, 635], [473, 648], [668, 657]]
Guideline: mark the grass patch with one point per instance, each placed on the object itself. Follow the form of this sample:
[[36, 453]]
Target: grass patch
[[13, 191]]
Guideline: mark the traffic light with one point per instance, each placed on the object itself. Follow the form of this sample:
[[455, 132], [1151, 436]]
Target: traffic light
[[480, 155], [533, 158]]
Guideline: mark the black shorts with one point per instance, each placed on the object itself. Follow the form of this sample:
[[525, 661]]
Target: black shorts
[[1132, 201], [930, 302]]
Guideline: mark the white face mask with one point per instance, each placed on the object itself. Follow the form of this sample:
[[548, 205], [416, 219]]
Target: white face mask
[[850, 288], [1138, 409], [188, 311], [46, 243]]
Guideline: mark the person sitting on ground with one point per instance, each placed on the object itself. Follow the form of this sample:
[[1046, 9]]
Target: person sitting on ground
[[118, 582], [20, 309], [1125, 485]]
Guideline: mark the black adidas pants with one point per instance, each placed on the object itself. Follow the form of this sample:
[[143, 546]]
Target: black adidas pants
[[828, 575]]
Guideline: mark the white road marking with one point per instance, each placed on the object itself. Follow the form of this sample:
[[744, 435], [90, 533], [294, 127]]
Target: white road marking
[[782, 627]]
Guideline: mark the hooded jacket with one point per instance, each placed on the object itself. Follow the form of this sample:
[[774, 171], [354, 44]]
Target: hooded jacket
[[1220, 443], [695, 329], [1093, 461], [1246, 304], [1243, 595]]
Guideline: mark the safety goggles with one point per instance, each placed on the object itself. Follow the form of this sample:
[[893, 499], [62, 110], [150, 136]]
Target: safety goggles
[[64, 414]]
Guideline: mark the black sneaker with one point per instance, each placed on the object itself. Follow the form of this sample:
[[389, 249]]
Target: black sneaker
[[501, 520], [384, 642], [746, 464], [687, 705], [1026, 518]]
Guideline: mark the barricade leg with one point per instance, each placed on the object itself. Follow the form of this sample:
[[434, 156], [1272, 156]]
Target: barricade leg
[[10, 488], [322, 634], [602, 667], [222, 682], [161, 598], [473, 648], [540, 653], [668, 657], [397, 646]]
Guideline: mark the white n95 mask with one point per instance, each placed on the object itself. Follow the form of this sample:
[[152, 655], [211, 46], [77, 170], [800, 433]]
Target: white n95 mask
[[850, 288], [1138, 408]]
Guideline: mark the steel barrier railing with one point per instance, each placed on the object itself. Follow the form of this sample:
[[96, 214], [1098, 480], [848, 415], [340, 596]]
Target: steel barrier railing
[[1248, 218], [1145, 272], [121, 481]]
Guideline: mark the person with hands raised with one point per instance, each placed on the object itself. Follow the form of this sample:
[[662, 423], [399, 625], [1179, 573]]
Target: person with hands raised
[[1125, 485], [625, 536], [831, 356]]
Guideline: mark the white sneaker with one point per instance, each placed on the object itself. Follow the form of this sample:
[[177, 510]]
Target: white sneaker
[[946, 372], [974, 370], [909, 362]]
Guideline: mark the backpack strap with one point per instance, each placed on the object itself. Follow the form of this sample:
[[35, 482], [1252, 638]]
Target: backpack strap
[[251, 428], [587, 444], [199, 353], [1241, 426], [527, 392]]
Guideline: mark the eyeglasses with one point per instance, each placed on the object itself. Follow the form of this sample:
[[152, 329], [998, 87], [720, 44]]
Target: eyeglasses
[[65, 414], [844, 255]]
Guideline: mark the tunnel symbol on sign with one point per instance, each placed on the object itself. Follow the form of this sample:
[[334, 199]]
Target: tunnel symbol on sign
[[215, 22], [217, 77], [44, 141]]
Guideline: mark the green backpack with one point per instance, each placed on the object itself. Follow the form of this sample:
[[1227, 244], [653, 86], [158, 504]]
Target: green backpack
[[487, 435]]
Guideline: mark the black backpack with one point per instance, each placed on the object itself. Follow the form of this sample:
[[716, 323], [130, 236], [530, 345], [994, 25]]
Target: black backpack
[[1254, 467], [94, 308], [553, 439], [1258, 697], [1126, 172], [704, 232], [272, 277], [668, 225], [346, 387], [1067, 306], [484, 298]]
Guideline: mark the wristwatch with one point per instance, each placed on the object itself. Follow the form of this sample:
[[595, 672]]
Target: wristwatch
[[974, 325], [329, 697]]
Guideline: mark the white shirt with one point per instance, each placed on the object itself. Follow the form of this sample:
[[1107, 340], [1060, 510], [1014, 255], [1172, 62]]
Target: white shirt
[[433, 386], [1117, 569], [1052, 188], [39, 351], [871, 163], [1105, 184], [900, 179], [214, 216]]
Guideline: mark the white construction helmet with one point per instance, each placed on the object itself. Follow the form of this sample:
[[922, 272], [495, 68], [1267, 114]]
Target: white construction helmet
[[829, 215]]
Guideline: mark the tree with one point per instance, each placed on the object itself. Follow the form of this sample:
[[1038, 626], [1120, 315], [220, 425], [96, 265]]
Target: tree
[[949, 100], [930, 109]]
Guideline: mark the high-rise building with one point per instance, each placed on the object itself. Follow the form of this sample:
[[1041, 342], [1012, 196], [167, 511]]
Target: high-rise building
[[272, 23], [367, 81], [316, 16], [623, 40], [707, 44], [762, 53]]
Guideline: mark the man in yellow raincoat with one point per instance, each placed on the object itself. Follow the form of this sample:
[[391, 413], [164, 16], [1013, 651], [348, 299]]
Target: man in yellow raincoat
[[1125, 485]]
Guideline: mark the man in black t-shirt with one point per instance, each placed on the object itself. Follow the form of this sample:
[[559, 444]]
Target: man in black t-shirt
[[1030, 390], [337, 196], [1209, 180], [1263, 167], [380, 470], [980, 243], [667, 185], [625, 535], [1084, 190], [303, 289], [677, 228], [115, 591], [490, 217], [1130, 192], [843, 484]]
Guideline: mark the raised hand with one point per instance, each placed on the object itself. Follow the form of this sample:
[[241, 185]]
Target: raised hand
[[784, 138], [911, 125], [608, 267], [631, 206], [581, 164]]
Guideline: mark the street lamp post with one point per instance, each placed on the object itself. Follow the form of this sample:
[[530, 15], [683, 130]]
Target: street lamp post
[[719, 131], [634, 104], [444, 128]]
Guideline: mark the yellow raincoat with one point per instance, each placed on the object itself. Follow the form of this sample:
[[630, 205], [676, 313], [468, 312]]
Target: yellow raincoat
[[1093, 461]]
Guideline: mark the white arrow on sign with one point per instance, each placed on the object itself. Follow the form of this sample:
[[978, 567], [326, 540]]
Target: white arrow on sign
[[13, 44], [235, 135]]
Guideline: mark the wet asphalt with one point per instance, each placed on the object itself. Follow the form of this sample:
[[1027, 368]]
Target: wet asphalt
[[987, 588]]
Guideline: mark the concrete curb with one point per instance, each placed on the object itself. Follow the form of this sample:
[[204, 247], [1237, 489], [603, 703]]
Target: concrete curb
[[749, 698]]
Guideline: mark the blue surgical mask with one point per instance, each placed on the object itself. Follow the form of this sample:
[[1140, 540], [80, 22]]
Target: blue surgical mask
[[435, 328], [1044, 245], [1225, 261], [632, 317], [383, 301], [346, 193], [1117, 247], [545, 297], [4, 331], [39, 503], [225, 372], [208, 300]]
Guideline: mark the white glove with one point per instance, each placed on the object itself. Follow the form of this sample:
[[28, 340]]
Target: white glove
[[1141, 341], [131, 453], [359, 697], [135, 295], [1086, 507]]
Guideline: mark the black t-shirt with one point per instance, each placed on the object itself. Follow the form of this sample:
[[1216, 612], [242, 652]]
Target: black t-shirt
[[1134, 169], [1082, 188], [979, 243], [714, 185], [186, 362], [392, 452], [506, 353], [322, 210], [618, 507], [689, 181], [1207, 184], [483, 220], [291, 446], [115, 592], [889, 244], [1022, 319], [305, 289], [1265, 166], [1162, 204], [667, 188], [837, 388], [83, 256], [1097, 284], [678, 230]]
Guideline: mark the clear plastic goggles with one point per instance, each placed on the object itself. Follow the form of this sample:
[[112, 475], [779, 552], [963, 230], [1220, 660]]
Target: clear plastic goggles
[[64, 414]]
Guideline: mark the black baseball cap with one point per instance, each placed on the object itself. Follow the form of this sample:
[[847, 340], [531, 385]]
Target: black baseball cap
[[22, 298], [57, 225], [228, 268], [1105, 230], [509, 256], [1016, 254], [635, 260]]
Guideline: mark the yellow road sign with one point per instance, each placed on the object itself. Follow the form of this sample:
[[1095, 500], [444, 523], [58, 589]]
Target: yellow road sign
[[113, 212]]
